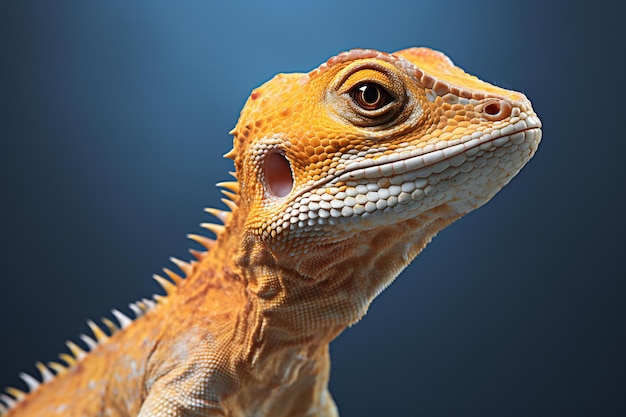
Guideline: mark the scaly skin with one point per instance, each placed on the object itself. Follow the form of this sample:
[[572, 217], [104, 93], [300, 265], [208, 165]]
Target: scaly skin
[[344, 175]]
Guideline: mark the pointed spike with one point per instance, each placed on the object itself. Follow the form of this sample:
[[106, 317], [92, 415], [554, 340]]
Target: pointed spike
[[99, 334], [199, 255], [142, 305], [151, 304], [91, 344], [3, 408], [167, 285], [76, 351], [122, 318], [220, 214], [16, 393], [30, 381], [229, 185], [57, 367], [110, 325], [159, 298], [68, 359], [46, 374], [186, 267], [212, 227], [208, 243], [10, 402], [233, 174], [173, 276], [230, 154], [232, 206], [231, 196], [136, 309]]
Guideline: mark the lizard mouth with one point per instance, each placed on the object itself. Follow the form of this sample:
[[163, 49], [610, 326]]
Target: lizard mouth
[[421, 180], [424, 161], [465, 172]]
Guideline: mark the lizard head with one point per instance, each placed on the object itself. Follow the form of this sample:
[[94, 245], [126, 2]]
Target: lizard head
[[346, 173]]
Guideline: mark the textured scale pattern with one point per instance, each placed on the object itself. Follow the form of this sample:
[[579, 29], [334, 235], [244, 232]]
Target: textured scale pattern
[[343, 176]]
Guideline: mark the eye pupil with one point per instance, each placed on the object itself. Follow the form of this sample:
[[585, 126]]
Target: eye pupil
[[370, 96]]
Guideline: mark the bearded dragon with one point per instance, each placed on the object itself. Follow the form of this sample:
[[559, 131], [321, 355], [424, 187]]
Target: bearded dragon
[[344, 175]]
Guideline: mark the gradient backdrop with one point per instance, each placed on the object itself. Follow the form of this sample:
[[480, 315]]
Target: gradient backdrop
[[113, 119]]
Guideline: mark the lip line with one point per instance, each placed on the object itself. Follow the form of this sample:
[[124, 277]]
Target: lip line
[[344, 172], [335, 177]]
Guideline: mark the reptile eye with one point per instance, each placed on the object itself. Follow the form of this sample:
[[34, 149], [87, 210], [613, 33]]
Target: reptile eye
[[370, 96]]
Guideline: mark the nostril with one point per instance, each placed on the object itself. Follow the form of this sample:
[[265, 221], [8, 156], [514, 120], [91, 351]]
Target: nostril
[[278, 174], [492, 108], [496, 109]]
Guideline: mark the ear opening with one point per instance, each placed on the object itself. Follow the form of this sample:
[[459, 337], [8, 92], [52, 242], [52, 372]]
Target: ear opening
[[278, 174]]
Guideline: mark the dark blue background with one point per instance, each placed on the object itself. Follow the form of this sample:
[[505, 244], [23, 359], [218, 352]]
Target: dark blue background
[[113, 119]]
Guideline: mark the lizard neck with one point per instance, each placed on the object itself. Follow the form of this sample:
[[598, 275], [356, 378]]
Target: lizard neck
[[309, 300], [277, 312]]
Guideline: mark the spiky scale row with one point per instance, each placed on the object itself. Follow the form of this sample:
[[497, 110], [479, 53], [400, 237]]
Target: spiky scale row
[[15, 395], [139, 308], [231, 191]]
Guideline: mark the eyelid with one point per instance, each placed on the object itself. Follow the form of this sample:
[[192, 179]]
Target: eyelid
[[364, 76]]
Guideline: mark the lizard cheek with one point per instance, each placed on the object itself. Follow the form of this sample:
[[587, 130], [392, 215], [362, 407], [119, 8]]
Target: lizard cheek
[[278, 174]]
